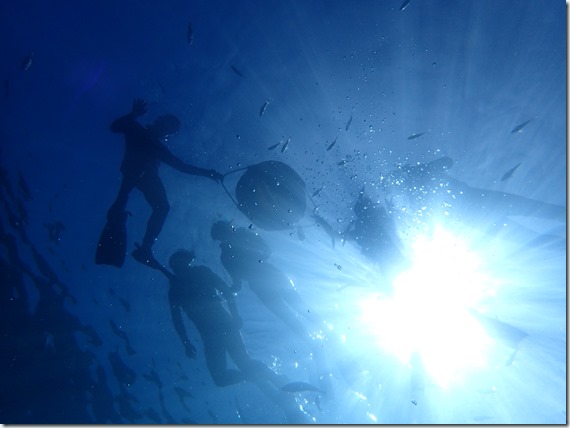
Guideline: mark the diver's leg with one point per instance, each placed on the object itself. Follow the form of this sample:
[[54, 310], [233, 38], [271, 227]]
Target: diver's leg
[[155, 194], [517, 205], [264, 378], [501, 204], [118, 208], [215, 354], [253, 369], [271, 294]]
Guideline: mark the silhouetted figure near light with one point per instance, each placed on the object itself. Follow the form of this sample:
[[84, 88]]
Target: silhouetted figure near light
[[244, 256], [144, 152], [435, 196], [373, 230], [194, 291]]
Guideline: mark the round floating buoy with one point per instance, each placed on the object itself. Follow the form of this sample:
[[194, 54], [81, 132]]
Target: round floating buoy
[[271, 195]]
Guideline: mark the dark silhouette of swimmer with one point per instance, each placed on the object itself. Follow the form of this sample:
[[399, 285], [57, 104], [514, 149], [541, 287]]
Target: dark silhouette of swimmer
[[144, 152], [194, 291], [244, 256], [374, 232], [432, 193]]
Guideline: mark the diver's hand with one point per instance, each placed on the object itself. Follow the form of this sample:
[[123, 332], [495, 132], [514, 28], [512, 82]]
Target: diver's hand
[[214, 175], [140, 107], [190, 350]]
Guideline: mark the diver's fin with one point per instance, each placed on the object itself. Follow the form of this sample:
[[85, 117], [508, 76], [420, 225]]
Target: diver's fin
[[112, 246]]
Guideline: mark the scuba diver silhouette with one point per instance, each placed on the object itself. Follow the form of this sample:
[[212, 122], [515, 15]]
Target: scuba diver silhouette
[[144, 152], [194, 291], [374, 231], [431, 194], [244, 256]]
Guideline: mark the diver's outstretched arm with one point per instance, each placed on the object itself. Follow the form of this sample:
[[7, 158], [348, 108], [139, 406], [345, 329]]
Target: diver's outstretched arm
[[175, 311], [483, 201], [168, 158], [122, 124]]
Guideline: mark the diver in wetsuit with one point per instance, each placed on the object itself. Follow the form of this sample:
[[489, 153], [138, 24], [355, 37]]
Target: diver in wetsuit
[[144, 152], [374, 231], [244, 256], [433, 194], [194, 291]]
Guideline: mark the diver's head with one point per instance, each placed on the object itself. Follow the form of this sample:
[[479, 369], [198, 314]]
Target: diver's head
[[362, 204], [165, 125], [181, 260], [221, 230]]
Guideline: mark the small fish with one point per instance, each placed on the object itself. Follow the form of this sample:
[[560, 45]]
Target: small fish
[[342, 162], [236, 71], [316, 192], [414, 402], [274, 146], [331, 145], [404, 5], [27, 61], [189, 34], [510, 172], [263, 108], [414, 136], [285, 145], [299, 387], [348, 123], [519, 128]]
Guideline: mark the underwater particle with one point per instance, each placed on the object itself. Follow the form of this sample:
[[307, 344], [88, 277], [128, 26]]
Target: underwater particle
[[348, 123], [414, 136], [27, 61], [510, 172], [236, 71], [263, 107], [189, 34], [520, 127], [404, 5], [316, 192], [331, 145]]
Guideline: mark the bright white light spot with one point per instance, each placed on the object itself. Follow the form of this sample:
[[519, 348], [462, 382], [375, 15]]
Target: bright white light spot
[[372, 416], [361, 396], [427, 313]]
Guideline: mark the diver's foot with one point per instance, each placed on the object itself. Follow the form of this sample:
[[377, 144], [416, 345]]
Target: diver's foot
[[143, 254]]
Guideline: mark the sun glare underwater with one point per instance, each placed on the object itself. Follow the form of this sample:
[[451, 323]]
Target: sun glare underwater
[[359, 217]]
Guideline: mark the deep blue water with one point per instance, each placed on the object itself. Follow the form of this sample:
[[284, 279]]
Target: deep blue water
[[87, 343]]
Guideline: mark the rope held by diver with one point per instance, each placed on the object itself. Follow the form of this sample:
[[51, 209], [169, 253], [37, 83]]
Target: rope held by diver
[[224, 187], [229, 194]]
